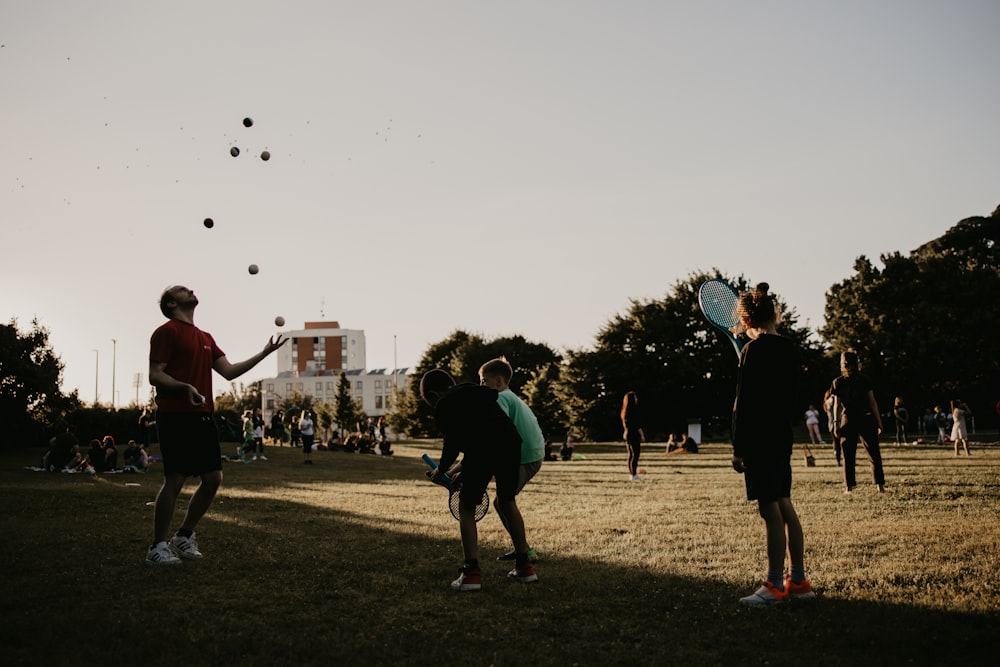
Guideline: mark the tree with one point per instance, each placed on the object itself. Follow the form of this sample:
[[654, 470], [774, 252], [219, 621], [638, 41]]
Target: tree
[[681, 368], [346, 410], [540, 392], [239, 398], [461, 354], [30, 373], [924, 324]]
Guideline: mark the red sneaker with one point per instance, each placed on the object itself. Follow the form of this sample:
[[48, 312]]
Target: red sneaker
[[800, 591], [524, 573], [469, 579]]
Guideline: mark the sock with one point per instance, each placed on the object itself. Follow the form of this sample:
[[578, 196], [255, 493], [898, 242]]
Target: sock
[[777, 580], [185, 533], [520, 560], [798, 574], [472, 563]]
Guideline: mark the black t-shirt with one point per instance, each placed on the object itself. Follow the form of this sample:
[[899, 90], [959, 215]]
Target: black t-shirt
[[474, 423], [852, 393], [765, 399]]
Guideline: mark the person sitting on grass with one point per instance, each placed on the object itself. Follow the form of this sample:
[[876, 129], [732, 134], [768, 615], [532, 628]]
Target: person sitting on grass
[[135, 458]]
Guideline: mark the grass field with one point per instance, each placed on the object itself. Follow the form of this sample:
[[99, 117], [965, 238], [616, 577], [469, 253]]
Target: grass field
[[347, 562]]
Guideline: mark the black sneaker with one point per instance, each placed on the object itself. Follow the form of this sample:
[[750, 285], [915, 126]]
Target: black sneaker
[[510, 555]]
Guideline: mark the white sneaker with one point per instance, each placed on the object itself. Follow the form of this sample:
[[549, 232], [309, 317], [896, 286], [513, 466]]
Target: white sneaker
[[263, 458], [767, 594], [185, 547], [160, 554], [635, 478], [254, 458]]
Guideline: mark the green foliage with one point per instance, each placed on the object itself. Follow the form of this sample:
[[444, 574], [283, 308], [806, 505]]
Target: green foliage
[[924, 324], [461, 354], [681, 368], [347, 411], [30, 398], [239, 398]]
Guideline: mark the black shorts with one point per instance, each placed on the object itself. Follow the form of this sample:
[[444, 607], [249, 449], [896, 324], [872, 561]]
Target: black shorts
[[189, 443], [767, 481], [307, 443], [480, 468]]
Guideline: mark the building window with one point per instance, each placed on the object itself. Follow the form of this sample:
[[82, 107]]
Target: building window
[[288, 387], [378, 385], [319, 387], [378, 402], [270, 387], [360, 386]]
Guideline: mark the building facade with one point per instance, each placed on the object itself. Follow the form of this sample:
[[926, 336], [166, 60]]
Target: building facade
[[311, 365]]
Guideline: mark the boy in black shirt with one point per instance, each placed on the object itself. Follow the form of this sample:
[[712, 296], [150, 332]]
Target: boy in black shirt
[[473, 423]]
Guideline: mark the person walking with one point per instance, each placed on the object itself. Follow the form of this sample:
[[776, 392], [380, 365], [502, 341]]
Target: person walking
[[633, 435], [857, 418], [762, 444], [181, 360], [959, 430]]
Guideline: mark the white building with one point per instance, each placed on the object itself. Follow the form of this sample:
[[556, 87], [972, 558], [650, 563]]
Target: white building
[[311, 365]]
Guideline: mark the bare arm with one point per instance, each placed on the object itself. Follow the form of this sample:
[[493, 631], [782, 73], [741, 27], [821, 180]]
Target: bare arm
[[159, 378], [231, 371]]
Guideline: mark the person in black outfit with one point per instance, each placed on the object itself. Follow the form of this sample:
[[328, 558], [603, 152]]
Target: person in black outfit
[[762, 443], [633, 436], [475, 425], [856, 416]]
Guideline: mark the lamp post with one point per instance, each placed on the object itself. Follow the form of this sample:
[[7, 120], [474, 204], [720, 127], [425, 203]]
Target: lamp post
[[97, 364], [114, 359]]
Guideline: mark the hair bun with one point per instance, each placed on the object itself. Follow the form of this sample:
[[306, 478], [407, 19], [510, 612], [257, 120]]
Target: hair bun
[[762, 288]]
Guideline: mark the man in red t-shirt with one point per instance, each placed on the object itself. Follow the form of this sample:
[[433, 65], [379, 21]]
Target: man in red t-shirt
[[181, 360]]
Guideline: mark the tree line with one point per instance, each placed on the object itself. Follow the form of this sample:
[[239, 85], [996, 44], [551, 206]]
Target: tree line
[[923, 324]]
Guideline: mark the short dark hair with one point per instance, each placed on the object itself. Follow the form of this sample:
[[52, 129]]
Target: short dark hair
[[435, 382], [849, 361], [165, 298]]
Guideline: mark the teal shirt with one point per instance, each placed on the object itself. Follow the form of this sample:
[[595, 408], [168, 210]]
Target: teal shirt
[[532, 440]]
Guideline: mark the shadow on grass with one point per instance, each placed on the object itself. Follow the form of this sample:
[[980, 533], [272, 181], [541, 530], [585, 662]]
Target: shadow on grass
[[292, 582]]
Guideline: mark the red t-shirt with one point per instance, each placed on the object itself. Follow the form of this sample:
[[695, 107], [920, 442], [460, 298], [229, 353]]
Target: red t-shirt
[[189, 354]]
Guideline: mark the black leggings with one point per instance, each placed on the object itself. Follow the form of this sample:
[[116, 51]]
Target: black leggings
[[867, 433], [634, 449]]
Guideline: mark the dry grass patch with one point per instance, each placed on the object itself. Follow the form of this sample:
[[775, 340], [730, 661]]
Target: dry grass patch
[[348, 562]]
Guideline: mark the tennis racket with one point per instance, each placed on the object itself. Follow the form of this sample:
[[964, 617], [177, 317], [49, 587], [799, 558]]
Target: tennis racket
[[453, 491], [718, 300]]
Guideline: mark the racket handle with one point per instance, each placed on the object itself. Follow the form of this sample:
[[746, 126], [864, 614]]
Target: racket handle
[[445, 479]]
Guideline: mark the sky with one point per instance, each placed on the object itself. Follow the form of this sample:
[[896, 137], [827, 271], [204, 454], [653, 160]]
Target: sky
[[504, 168]]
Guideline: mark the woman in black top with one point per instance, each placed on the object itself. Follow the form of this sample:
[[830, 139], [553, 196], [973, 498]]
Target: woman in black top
[[632, 423]]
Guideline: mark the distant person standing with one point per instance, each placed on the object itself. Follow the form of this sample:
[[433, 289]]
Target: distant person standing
[[278, 427], [812, 425], [307, 433], [257, 422], [901, 416], [147, 421], [857, 419], [941, 422], [181, 360], [959, 430], [632, 424]]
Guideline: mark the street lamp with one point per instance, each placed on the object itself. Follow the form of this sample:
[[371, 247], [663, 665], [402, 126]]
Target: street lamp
[[97, 364], [114, 359]]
